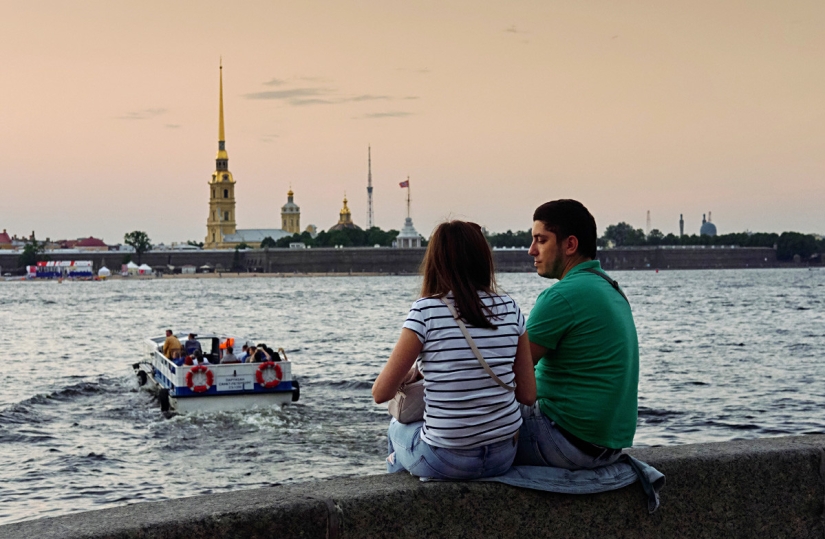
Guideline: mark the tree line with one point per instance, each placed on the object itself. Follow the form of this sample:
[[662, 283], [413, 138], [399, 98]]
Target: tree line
[[787, 244], [348, 237]]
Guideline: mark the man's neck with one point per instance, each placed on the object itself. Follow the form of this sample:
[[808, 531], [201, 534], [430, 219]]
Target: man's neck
[[572, 262]]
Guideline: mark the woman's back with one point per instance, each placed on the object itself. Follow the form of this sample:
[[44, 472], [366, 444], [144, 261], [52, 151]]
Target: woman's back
[[465, 407]]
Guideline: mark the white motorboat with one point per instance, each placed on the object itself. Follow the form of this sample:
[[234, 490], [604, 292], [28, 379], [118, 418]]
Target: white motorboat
[[212, 386]]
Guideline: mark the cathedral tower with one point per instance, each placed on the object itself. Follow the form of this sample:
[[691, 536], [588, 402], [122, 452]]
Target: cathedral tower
[[291, 215], [221, 220]]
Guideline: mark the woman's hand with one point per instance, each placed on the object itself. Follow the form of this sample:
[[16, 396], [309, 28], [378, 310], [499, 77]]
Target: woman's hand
[[398, 367], [525, 372]]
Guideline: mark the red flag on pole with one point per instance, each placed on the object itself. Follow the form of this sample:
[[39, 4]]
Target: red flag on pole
[[405, 183]]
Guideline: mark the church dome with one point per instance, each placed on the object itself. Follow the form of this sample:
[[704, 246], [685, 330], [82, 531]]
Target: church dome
[[345, 218], [708, 228]]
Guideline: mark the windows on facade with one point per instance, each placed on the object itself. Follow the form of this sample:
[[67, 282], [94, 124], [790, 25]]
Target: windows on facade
[[226, 216], [226, 193]]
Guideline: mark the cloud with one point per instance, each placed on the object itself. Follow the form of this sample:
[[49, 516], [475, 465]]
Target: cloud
[[392, 114], [172, 126], [513, 30], [269, 138], [367, 97], [289, 94], [298, 97], [144, 114], [275, 82], [316, 101]]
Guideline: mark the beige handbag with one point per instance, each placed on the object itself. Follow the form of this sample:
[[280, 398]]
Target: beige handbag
[[408, 404]]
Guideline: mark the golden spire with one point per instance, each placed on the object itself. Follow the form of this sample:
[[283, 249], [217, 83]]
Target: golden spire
[[221, 137], [345, 216]]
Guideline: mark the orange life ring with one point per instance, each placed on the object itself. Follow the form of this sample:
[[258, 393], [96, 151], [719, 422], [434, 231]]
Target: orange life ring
[[278, 374], [210, 378]]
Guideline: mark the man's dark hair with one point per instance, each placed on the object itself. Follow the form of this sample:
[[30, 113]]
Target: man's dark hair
[[566, 218]]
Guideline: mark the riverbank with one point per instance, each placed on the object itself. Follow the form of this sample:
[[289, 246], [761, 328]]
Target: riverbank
[[772, 487], [389, 261]]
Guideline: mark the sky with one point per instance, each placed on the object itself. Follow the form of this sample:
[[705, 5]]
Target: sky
[[109, 112]]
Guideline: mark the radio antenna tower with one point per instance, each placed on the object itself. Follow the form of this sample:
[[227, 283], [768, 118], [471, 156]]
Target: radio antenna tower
[[370, 222]]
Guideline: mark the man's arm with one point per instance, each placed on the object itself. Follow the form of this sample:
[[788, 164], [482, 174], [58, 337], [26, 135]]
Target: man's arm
[[537, 351]]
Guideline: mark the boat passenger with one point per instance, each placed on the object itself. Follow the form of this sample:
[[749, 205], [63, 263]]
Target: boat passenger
[[193, 345], [200, 359], [250, 357], [262, 356], [244, 353], [273, 355], [176, 359], [229, 357], [457, 440], [171, 344]]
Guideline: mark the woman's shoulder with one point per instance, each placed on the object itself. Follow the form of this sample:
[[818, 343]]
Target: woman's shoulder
[[492, 297], [427, 303]]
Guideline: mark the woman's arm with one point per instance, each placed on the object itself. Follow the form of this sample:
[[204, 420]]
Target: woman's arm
[[398, 366], [525, 374]]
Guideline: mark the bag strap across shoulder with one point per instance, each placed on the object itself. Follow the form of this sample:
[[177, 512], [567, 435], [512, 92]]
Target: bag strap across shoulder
[[474, 348], [613, 283]]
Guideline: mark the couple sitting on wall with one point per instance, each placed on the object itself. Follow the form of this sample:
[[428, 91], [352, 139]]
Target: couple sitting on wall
[[574, 363]]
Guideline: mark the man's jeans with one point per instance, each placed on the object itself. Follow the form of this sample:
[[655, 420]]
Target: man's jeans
[[541, 444], [407, 451]]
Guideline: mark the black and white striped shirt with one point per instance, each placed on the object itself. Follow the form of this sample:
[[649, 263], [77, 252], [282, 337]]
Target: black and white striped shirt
[[464, 406]]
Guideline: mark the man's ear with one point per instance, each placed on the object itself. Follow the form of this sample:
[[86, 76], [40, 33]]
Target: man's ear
[[571, 245]]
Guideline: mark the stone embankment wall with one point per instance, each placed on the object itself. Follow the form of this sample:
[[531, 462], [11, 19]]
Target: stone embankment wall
[[748, 488], [405, 261]]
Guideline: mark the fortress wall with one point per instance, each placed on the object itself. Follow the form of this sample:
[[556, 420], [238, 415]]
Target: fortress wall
[[748, 488], [407, 261]]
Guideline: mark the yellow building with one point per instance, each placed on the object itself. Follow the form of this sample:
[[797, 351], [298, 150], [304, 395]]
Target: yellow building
[[221, 232], [291, 215], [221, 220]]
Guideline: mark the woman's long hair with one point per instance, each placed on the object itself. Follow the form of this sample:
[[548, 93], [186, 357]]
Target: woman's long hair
[[459, 259]]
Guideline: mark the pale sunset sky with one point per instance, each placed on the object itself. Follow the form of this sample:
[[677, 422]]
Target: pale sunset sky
[[110, 109]]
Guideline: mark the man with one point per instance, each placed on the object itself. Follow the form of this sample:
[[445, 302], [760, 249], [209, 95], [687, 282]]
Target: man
[[584, 344], [171, 344], [229, 357], [244, 353], [193, 345]]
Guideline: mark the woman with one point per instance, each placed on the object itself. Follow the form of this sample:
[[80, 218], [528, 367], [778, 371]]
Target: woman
[[471, 422]]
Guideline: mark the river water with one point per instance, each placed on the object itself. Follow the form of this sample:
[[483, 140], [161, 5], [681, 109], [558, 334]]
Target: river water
[[724, 355]]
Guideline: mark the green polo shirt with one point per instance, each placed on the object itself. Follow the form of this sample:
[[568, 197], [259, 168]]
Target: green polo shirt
[[588, 380]]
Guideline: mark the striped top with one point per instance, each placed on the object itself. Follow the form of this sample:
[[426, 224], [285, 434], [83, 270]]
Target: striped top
[[464, 406]]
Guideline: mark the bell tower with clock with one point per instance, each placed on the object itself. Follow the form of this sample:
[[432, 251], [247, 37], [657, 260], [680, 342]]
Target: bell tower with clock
[[221, 220]]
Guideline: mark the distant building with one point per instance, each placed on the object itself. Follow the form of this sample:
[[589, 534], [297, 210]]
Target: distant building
[[291, 215], [708, 228], [5, 240], [408, 237], [221, 232], [90, 244], [344, 219]]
